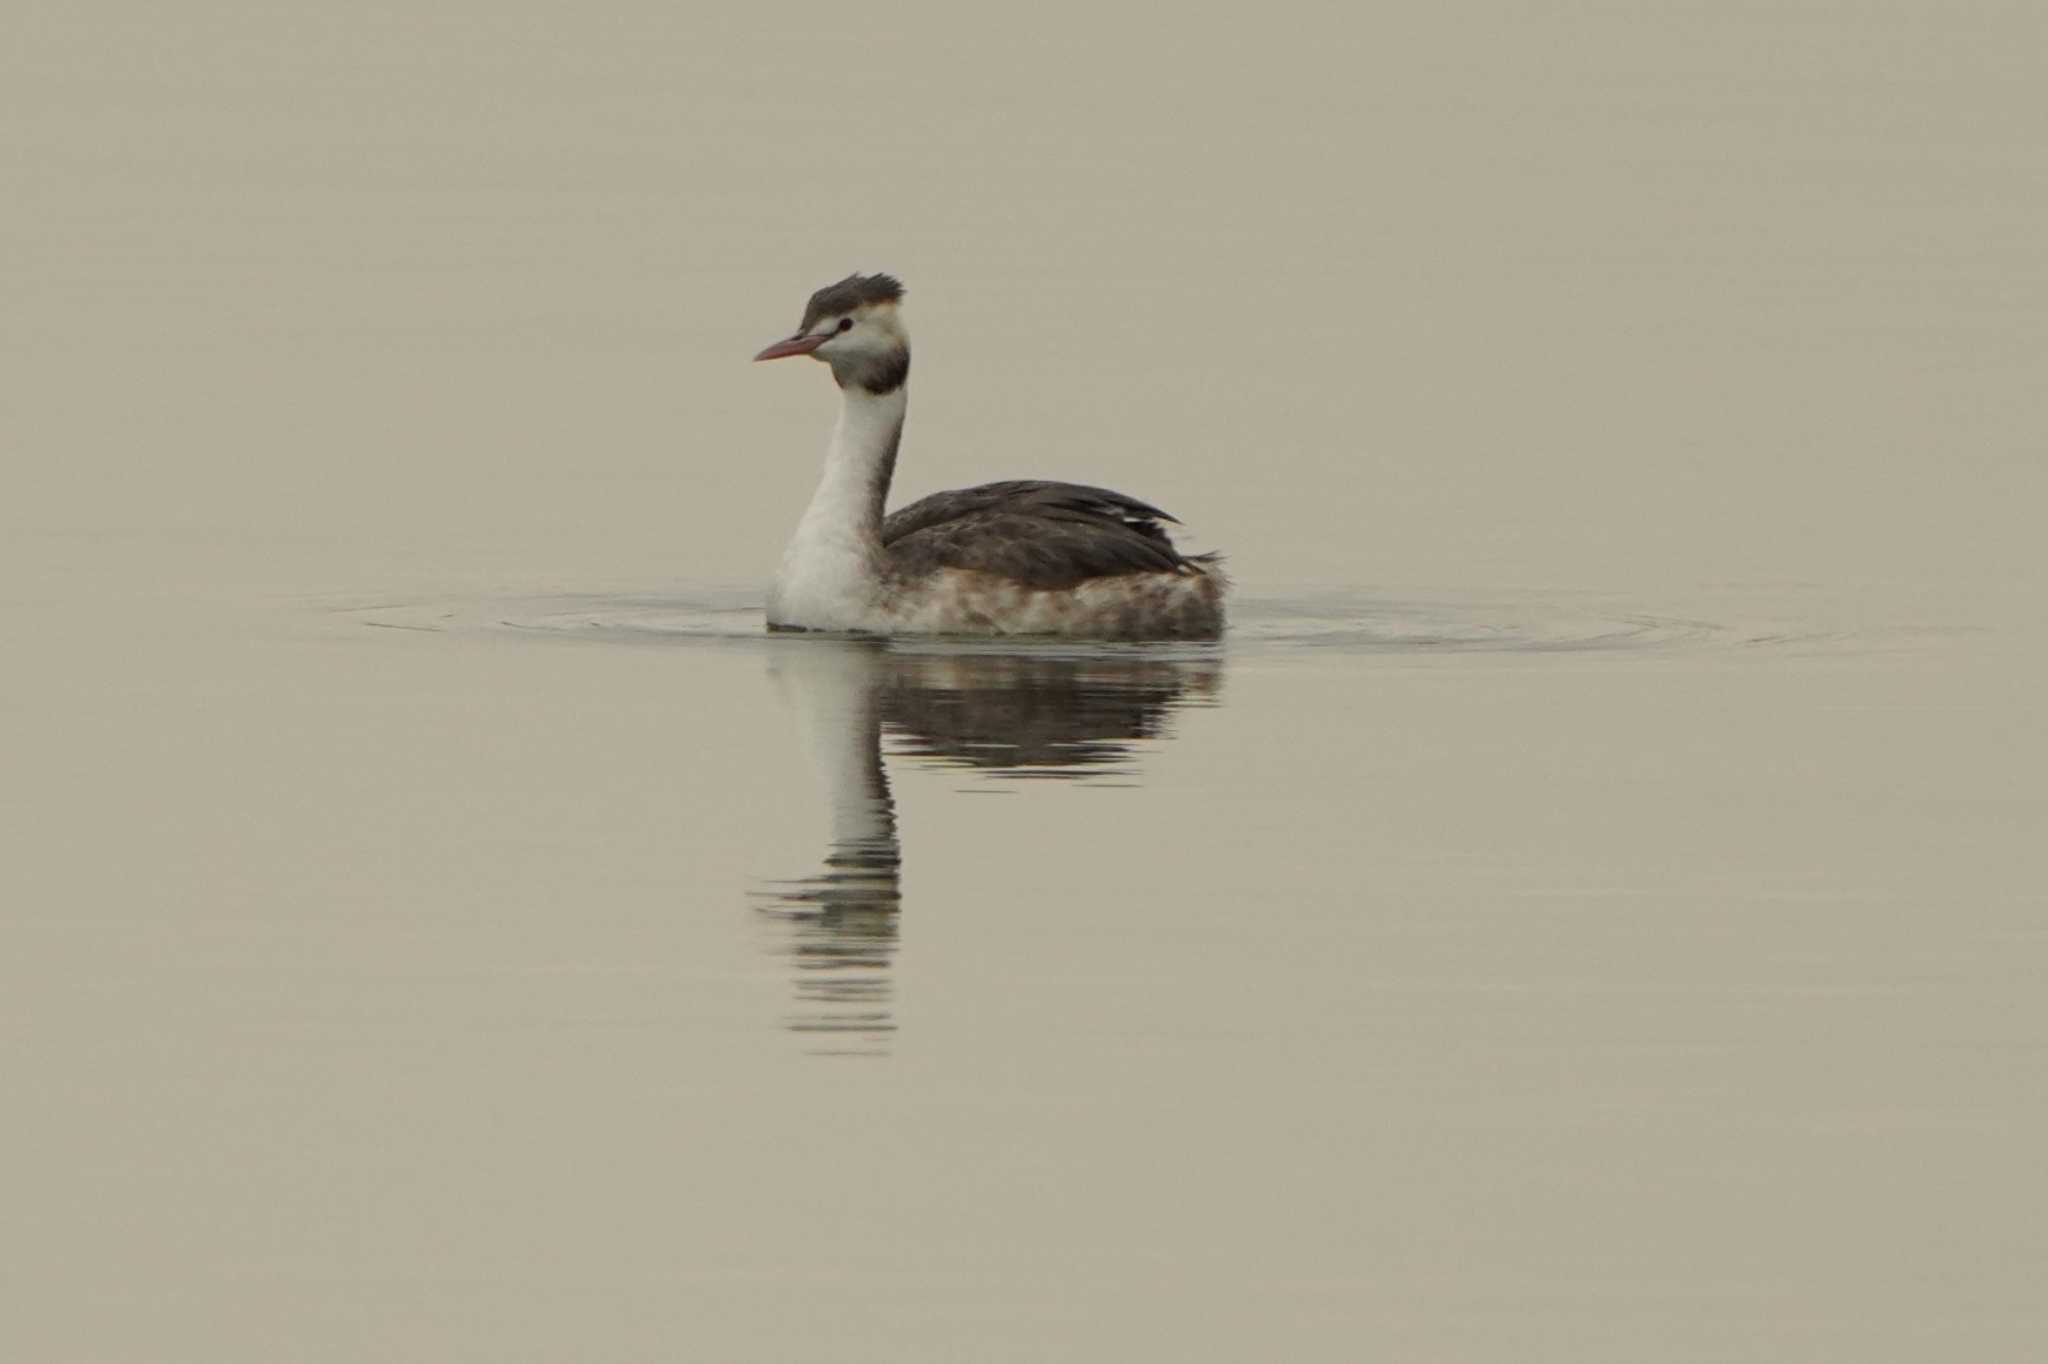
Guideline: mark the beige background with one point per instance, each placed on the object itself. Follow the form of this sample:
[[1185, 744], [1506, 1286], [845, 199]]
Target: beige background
[[1490, 292], [394, 995]]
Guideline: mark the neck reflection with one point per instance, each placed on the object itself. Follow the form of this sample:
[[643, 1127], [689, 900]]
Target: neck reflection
[[1005, 715]]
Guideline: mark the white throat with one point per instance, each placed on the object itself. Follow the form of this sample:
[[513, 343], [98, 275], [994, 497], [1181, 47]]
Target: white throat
[[831, 576]]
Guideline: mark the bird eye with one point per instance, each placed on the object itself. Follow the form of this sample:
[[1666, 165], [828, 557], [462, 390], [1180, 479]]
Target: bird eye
[[846, 324]]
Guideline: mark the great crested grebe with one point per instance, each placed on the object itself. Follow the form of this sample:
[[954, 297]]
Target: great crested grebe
[[1017, 558]]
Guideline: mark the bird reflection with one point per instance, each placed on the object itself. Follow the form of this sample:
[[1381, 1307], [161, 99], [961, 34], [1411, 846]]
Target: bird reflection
[[1006, 715]]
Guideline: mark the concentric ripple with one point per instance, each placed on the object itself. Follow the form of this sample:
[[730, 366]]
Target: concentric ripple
[[1363, 621]]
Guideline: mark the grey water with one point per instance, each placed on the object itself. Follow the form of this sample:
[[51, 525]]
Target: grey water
[[1590, 906], [591, 972], [1002, 711]]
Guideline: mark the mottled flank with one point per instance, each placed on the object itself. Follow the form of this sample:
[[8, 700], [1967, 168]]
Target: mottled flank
[[853, 292], [1029, 556], [1131, 606]]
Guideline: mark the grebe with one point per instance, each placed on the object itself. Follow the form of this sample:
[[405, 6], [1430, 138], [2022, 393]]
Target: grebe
[[1024, 557]]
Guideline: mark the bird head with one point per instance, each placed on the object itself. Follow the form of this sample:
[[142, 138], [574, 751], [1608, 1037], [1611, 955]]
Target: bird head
[[856, 327]]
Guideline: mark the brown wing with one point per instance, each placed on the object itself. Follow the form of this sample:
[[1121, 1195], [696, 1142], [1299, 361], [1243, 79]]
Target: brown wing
[[1041, 534]]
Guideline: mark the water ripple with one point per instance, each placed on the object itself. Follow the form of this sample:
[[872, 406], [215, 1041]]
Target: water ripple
[[1361, 622]]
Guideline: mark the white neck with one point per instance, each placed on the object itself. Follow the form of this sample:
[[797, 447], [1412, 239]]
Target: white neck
[[832, 571]]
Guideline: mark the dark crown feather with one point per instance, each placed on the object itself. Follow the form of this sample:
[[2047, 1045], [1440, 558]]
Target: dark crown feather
[[852, 292]]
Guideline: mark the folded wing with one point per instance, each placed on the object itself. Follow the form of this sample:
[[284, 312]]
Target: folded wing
[[1041, 534]]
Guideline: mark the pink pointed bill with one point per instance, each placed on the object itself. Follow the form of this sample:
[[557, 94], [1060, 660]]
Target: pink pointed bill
[[800, 344]]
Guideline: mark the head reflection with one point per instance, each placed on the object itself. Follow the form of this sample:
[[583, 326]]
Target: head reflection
[[1014, 715]]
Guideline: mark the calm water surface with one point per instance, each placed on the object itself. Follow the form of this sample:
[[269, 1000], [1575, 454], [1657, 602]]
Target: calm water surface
[[1486, 970]]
